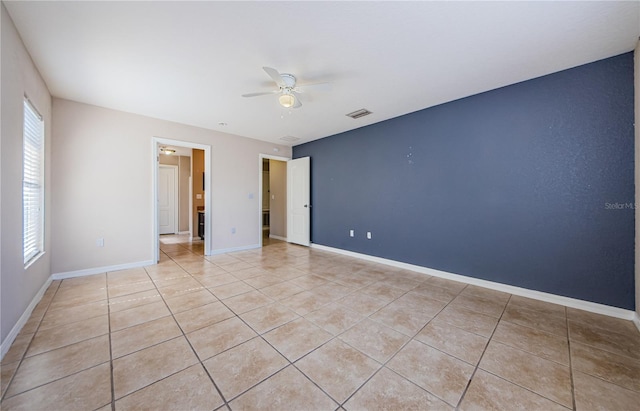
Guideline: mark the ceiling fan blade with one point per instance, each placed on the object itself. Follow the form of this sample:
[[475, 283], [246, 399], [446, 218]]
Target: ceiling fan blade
[[263, 93], [273, 73], [298, 103], [313, 87]]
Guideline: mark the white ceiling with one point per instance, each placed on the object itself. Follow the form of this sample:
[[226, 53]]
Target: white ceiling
[[190, 62]]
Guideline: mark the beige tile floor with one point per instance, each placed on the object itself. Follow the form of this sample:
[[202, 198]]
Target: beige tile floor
[[289, 328]]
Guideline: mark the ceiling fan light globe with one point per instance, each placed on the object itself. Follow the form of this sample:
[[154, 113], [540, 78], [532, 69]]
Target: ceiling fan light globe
[[287, 100]]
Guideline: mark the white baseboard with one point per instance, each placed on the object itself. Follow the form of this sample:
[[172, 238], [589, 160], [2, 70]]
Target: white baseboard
[[636, 320], [277, 237], [6, 344], [231, 250], [524, 292], [100, 270], [184, 232]]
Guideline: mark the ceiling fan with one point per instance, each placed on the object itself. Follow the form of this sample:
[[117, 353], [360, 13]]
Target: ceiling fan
[[287, 88]]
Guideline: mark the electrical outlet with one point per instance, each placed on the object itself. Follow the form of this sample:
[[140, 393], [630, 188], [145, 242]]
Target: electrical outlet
[[368, 235], [100, 242], [233, 230], [352, 233]]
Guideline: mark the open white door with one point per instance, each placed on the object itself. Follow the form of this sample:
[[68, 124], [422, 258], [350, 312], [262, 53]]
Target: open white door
[[298, 205]]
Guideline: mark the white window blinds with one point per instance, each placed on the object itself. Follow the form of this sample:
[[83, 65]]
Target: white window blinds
[[32, 183]]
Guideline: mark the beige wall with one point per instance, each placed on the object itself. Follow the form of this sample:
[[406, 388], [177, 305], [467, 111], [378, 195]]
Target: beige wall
[[184, 172], [90, 187], [19, 77], [197, 167], [278, 204]]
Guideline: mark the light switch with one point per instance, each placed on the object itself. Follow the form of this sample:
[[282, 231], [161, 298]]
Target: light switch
[[273, 196], [369, 235], [198, 196]]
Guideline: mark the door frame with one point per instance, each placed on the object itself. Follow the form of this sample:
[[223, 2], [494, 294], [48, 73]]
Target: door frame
[[156, 142], [260, 158], [176, 196]]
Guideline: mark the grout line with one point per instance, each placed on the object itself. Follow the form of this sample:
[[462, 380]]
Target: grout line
[[475, 370], [184, 335], [24, 354], [573, 390], [113, 394]]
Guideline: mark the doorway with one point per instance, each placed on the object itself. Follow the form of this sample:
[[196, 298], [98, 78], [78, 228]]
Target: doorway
[[273, 199], [176, 146]]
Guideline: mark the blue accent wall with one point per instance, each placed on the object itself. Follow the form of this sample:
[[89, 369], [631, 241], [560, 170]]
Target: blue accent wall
[[530, 185]]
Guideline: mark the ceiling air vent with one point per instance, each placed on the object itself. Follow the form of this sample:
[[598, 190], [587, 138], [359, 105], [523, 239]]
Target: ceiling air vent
[[359, 113], [289, 139]]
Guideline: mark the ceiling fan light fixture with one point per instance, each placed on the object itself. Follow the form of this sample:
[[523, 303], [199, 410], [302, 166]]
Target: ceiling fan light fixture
[[287, 100]]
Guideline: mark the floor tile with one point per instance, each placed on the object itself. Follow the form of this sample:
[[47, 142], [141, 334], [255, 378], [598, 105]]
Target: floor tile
[[362, 303], [439, 373], [52, 365], [621, 344], [217, 280], [143, 335], [448, 284], [338, 381], [55, 318], [478, 304], [334, 318], [263, 281], [469, 320], [58, 337], [533, 341], [189, 389], [488, 392], [614, 368], [7, 372], [247, 302], [454, 341], [539, 306], [137, 370], [544, 377], [305, 302], [289, 389], [244, 366], [389, 391], [219, 337], [138, 315], [374, 339], [437, 293], [282, 290], [86, 390], [186, 302], [382, 291], [268, 317], [535, 319], [309, 281], [405, 317], [297, 338], [605, 322], [231, 289], [595, 394], [203, 316], [130, 288], [18, 348]]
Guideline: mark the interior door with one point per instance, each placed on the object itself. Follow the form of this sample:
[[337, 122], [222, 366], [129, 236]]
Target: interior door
[[298, 204], [167, 196]]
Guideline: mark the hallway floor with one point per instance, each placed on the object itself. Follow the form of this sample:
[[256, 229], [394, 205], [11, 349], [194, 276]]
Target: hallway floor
[[291, 328]]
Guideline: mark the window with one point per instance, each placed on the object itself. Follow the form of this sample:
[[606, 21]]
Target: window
[[32, 184]]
